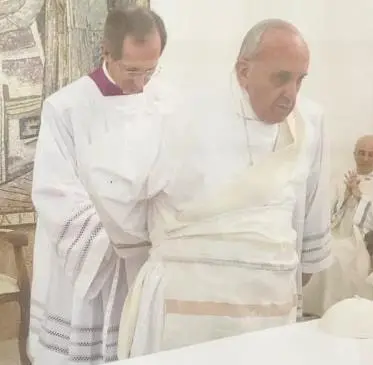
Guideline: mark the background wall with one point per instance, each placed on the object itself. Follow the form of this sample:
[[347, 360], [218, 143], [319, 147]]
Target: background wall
[[204, 41]]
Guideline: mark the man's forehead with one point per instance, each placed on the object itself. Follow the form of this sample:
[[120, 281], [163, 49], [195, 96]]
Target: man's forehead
[[280, 59], [278, 67], [365, 147], [282, 38], [142, 49], [365, 143]]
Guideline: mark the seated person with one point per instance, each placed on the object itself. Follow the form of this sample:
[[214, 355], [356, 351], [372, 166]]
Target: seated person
[[352, 218]]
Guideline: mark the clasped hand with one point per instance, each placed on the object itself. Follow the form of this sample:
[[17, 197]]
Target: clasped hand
[[352, 183]]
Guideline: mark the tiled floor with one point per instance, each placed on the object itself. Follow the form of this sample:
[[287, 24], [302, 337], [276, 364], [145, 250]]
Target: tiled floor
[[9, 353]]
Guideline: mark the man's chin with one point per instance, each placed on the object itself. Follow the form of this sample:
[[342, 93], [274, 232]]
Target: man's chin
[[282, 114], [364, 170]]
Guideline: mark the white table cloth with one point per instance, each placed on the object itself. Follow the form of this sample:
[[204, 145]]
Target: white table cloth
[[301, 343]]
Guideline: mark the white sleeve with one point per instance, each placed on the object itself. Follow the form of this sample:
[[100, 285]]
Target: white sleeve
[[128, 171], [363, 217], [316, 253], [65, 210]]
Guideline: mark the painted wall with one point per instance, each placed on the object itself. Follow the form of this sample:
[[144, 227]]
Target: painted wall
[[205, 37]]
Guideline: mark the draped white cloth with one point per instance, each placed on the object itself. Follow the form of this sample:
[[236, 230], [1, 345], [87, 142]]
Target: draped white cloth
[[223, 233], [193, 287], [79, 281], [347, 277]]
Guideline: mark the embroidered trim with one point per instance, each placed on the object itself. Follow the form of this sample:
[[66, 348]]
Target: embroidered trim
[[67, 225], [235, 263], [201, 308], [318, 259], [87, 246], [317, 236], [56, 334], [78, 237]]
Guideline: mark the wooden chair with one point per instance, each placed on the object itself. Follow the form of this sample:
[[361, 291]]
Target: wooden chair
[[17, 289]]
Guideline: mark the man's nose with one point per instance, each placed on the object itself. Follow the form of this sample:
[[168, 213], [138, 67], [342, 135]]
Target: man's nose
[[291, 91]]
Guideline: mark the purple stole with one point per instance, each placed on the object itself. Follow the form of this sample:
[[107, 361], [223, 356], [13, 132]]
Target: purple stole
[[106, 87]]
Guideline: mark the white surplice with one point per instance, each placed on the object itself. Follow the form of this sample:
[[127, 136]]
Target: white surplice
[[227, 237], [351, 220], [79, 281]]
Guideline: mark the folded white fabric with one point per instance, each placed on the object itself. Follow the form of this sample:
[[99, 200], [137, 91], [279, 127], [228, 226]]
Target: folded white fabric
[[351, 318]]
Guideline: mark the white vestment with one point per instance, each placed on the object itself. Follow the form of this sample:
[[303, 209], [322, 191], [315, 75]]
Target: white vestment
[[351, 220], [79, 281], [227, 237]]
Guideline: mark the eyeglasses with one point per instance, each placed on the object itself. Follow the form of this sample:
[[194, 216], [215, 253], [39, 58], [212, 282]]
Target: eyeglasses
[[134, 73]]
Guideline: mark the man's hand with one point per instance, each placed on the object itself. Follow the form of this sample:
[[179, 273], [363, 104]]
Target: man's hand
[[352, 183]]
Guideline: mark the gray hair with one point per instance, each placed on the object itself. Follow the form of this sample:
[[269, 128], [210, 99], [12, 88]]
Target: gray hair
[[253, 37]]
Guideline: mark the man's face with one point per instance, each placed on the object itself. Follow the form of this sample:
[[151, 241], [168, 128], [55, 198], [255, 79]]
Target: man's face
[[364, 156], [137, 65], [274, 76]]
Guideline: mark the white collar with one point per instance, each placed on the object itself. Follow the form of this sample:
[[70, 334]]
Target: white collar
[[241, 100], [367, 176], [106, 72]]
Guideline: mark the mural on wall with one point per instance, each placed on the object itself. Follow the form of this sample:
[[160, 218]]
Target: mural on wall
[[72, 42], [44, 45], [21, 81]]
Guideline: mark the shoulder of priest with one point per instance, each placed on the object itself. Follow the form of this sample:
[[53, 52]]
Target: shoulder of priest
[[71, 95]]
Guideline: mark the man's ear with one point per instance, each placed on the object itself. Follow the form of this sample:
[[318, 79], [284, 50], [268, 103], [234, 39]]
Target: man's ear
[[243, 69], [105, 53]]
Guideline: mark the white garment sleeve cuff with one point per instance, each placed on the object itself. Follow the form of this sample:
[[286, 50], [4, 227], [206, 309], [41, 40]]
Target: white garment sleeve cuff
[[317, 266], [316, 252]]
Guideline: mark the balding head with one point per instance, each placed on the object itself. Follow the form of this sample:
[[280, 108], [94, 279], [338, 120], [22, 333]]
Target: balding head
[[271, 65], [363, 155], [268, 31]]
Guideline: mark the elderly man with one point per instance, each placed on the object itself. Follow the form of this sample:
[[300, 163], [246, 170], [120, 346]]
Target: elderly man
[[352, 218], [352, 203], [79, 282], [236, 204]]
